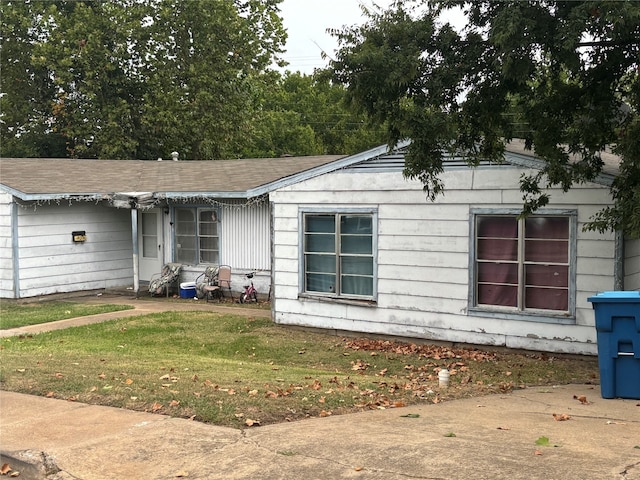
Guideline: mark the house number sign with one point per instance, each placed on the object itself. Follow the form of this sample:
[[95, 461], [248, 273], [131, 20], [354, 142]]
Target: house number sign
[[79, 237]]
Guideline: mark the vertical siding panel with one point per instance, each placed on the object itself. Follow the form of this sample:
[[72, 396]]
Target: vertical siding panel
[[245, 236]]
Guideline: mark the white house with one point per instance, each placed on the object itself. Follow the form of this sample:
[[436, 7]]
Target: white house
[[357, 247], [71, 225]]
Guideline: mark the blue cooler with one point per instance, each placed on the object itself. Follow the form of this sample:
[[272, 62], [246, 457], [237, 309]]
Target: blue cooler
[[618, 328], [188, 290]]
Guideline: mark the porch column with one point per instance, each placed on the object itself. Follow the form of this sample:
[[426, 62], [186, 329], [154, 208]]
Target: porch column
[[134, 235]]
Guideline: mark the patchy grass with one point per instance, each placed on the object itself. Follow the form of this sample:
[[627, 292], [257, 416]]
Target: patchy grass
[[14, 314], [242, 371]]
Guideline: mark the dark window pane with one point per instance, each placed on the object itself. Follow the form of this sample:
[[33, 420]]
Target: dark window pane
[[357, 224], [320, 224], [491, 249], [547, 298], [547, 275], [551, 251], [321, 282], [498, 273], [356, 244], [503, 295], [209, 256], [357, 265], [497, 227], [354, 285], [321, 263], [320, 243], [547, 227]]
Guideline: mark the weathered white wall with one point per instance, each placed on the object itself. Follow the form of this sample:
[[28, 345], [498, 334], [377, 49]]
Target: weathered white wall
[[632, 265], [423, 259], [50, 262], [6, 252]]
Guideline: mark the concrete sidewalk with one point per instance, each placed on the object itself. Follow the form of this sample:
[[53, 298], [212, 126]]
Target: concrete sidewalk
[[491, 437]]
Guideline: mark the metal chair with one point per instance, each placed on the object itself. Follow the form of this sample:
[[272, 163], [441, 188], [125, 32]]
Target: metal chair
[[213, 282]]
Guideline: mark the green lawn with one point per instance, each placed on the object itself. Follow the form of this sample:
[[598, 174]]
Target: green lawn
[[237, 371], [13, 314]]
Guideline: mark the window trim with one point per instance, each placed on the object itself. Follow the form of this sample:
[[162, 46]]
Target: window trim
[[336, 297], [175, 234], [509, 313]]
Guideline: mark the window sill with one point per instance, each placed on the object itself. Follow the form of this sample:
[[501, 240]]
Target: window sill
[[340, 300], [542, 317]]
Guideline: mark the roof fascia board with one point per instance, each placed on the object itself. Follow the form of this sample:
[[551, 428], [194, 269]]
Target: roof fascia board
[[49, 197]]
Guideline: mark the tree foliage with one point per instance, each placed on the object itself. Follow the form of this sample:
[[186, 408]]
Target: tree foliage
[[307, 115], [568, 69], [133, 78], [143, 78]]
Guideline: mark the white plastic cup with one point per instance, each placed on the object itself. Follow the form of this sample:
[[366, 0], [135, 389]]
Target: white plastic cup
[[443, 378]]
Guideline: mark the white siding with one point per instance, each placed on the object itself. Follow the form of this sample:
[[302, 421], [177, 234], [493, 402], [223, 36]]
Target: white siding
[[6, 250], [423, 259], [50, 262], [632, 265]]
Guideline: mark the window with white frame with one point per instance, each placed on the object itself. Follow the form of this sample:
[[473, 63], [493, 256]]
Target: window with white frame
[[338, 254], [197, 237], [523, 264]]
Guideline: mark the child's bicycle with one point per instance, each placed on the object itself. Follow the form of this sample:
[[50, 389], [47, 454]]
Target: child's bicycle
[[250, 293]]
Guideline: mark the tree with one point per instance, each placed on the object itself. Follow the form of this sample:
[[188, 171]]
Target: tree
[[306, 115], [568, 69], [132, 78]]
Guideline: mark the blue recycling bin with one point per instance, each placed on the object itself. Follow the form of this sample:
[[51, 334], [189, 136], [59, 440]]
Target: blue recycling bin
[[618, 330]]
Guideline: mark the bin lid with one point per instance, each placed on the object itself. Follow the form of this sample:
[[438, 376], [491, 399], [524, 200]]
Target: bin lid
[[618, 296]]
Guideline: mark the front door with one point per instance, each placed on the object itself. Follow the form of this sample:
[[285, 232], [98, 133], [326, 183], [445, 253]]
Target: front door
[[150, 243]]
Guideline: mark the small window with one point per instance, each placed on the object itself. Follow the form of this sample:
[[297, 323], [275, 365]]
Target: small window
[[339, 254], [523, 264], [197, 237]]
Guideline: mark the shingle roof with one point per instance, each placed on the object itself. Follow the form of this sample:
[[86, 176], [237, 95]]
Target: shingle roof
[[35, 177]]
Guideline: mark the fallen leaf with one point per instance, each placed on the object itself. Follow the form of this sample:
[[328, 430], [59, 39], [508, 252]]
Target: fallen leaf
[[128, 381], [504, 428], [561, 417], [182, 474], [251, 423], [542, 441], [14, 473], [156, 406], [450, 434], [537, 452], [358, 469], [582, 399], [174, 403], [411, 415], [6, 468], [50, 394]]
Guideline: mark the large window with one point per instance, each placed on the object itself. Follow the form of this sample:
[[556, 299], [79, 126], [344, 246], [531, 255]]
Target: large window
[[523, 264], [196, 236], [339, 254]]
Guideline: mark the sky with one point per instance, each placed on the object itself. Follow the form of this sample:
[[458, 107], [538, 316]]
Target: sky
[[306, 22]]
